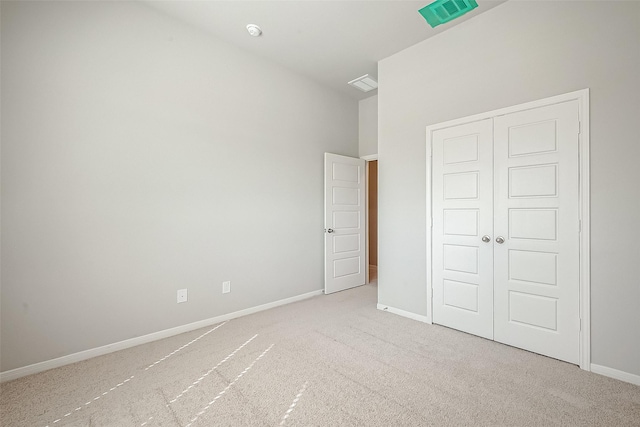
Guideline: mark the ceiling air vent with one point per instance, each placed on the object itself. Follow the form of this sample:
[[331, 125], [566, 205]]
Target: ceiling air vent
[[443, 11], [365, 83]]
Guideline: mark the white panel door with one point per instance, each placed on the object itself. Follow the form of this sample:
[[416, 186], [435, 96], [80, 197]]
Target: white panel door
[[344, 222], [536, 242], [462, 203]]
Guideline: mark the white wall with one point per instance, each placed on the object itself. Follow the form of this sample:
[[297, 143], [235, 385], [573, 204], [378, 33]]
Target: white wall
[[368, 126], [140, 156], [519, 52]]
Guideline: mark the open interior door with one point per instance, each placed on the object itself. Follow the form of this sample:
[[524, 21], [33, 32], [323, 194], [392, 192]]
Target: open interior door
[[344, 222]]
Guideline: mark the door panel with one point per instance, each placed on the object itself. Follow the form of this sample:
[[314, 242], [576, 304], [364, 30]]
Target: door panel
[[536, 273], [462, 203], [344, 202]]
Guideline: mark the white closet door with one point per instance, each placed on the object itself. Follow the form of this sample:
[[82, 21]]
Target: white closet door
[[536, 274], [462, 215]]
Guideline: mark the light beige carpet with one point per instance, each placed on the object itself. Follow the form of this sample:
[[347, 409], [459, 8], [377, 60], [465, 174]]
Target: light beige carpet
[[328, 361]]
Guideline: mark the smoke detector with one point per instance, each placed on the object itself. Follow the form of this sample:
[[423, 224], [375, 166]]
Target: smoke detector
[[365, 83], [254, 30]]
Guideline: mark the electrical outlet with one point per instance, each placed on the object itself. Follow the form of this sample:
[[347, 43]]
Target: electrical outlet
[[182, 295], [226, 287]]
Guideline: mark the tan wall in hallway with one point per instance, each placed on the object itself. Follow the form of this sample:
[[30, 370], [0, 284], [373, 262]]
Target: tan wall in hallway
[[373, 212]]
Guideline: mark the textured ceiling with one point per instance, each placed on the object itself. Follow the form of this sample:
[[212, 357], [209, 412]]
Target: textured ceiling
[[329, 41]]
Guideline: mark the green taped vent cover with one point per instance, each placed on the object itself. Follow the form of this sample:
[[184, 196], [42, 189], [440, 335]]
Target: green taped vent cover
[[443, 11]]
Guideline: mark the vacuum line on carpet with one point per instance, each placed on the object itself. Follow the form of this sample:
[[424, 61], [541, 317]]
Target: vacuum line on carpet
[[199, 380], [294, 403], [247, 369], [93, 400], [131, 377], [186, 345]]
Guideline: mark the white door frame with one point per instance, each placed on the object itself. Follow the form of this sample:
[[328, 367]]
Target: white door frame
[[582, 96]]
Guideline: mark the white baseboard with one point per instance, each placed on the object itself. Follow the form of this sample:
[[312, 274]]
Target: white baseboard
[[614, 373], [110, 348], [403, 313]]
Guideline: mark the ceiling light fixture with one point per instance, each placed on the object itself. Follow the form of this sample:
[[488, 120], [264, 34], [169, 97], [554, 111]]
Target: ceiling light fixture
[[365, 83], [254, 30]]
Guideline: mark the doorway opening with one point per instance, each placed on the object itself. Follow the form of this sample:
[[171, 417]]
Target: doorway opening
[[372, 220]]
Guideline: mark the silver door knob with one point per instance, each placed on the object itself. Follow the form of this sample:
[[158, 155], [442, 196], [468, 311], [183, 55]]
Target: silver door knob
[[486, 239], [330, 230], [500, 239]]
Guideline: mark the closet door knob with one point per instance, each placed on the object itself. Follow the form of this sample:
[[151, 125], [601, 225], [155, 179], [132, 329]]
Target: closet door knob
[[486, 239], [500, 240]]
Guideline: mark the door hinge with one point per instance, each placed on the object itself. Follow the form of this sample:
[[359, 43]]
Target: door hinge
[[580, 323], [579, 127], [579, 226]]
